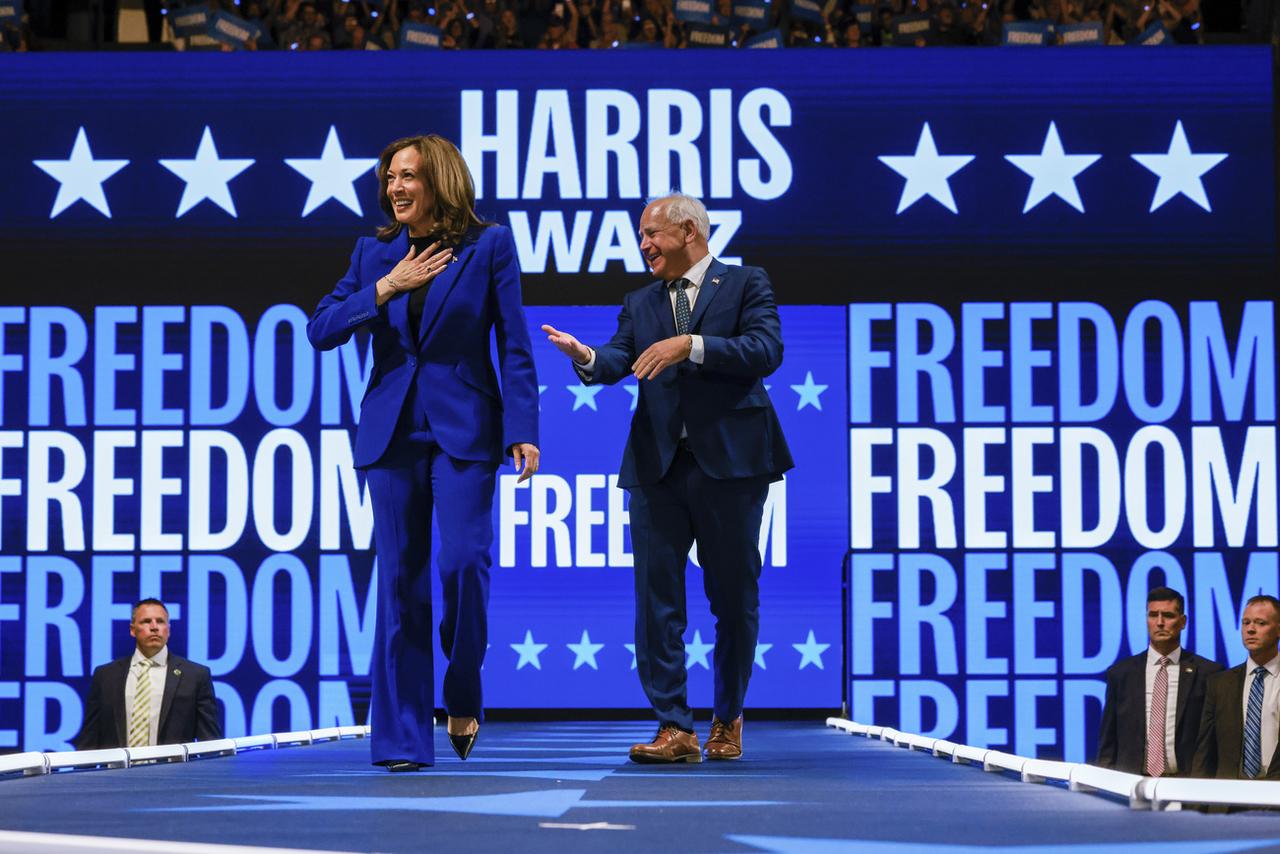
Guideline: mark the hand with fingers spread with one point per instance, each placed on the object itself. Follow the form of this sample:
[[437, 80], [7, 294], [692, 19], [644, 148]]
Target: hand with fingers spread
[[567, 344], [527, 458], [661, 355], [414, 270]]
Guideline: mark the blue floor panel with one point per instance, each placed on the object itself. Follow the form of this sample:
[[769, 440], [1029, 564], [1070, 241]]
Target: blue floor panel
[[801, 788]]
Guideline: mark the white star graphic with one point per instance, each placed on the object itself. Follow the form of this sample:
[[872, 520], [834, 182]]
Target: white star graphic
[[584, 651], [585, 395], [206, 176], [631, 648], [696, 651], [634, 390], [1179, 170], [80, 177], [926, 172], [811, 652], [332, 175], [1053, 172], [529, 651], [761, 649], [809, 392], [541, 389]]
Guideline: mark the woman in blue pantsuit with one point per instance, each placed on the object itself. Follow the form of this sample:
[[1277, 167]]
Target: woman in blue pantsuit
[[432, 287]]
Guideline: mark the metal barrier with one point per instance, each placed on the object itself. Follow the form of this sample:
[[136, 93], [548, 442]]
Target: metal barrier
[[32, 764], [1144, 793]]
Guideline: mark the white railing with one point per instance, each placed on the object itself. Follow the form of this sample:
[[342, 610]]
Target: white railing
[[33, 764], [1145, 793]]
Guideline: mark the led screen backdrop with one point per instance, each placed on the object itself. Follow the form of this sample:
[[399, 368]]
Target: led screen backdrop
[[964, 244]]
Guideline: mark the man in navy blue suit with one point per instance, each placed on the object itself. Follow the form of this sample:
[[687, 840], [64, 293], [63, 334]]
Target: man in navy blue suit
[[704, 446]]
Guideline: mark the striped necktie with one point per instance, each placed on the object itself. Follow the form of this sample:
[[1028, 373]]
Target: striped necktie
[[1253, 725], [1155, 724], [140, 719]]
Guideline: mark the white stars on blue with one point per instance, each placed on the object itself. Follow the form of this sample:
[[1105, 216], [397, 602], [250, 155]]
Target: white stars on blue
[[332, 175], [809, 392], [927, 172], [584, 652], [1179, 170], [695, 652], [529, 651], [206, 176], [584, 395], [811, 652], [633, 389], [80, 177], [1053, 172]]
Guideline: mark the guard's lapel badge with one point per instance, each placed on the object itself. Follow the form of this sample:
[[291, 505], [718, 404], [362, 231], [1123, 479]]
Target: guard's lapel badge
[[177, 672]]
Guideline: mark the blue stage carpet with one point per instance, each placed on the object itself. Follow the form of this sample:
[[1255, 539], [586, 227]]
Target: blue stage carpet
[[551, 787]]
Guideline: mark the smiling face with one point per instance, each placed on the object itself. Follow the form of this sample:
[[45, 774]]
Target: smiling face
[[150, 628], [667, 247], [412, 201], [1260, 631]]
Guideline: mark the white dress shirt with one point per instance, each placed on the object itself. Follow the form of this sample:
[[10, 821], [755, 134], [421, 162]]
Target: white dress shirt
[[1270, 706], [156, 675], [1170, 705], [695, 275]]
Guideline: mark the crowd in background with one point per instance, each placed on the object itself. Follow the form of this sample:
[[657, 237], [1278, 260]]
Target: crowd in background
[[604, 24]]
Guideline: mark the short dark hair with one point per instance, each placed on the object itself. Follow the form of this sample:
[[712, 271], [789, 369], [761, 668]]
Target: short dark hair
[[148, 601], [1167, 594], [1263, 597]]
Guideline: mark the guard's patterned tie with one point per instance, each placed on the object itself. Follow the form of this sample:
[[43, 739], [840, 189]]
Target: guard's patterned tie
[[682, 306], [1155, 723], [140, 719], [1253, 725]]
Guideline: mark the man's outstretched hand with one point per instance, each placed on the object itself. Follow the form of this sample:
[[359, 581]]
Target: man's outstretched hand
[[567, 344]]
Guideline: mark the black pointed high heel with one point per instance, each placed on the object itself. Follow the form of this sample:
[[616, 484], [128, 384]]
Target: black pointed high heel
[[462, 744]]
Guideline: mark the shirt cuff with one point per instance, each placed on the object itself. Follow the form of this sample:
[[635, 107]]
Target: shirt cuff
[[697, 352], [589, 368]]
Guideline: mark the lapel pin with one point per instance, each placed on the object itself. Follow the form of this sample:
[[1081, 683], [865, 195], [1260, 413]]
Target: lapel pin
[[1188, 669], [177, 672], [716, 280]]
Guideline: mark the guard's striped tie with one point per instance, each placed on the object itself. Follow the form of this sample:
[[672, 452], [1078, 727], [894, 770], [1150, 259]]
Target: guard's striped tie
[[1253, 725], [1155, 723], [140, 719], [682, 306]]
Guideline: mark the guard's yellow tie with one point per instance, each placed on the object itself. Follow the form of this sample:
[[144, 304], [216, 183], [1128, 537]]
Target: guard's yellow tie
[[140, 720]]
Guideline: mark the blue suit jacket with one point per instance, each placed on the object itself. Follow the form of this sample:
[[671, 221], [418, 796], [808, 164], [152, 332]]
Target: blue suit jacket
[[733, 430], [447, 356]]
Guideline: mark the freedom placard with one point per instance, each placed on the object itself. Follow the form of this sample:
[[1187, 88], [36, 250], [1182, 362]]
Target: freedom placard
[[752, 13], [807, 10], [908, 28], [232, 30], [1028, 33], [190, 20], [419, 37], [1089, 32], [1153, 36], [10, 11], [708, 35], [694, 11]]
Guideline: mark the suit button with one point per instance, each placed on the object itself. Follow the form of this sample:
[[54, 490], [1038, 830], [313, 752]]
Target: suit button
[[412, 361]]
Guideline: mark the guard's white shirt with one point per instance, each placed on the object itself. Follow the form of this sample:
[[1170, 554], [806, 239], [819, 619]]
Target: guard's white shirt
[[1170, 705], [156, 675]]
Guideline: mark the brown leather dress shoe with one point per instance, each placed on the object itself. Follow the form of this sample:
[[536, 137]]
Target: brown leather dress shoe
[[726, 739], [671, 744]]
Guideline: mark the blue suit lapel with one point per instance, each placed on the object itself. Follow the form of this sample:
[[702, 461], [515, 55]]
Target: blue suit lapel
[[712, 284], [440, 288], [397, 306], [660, 300]]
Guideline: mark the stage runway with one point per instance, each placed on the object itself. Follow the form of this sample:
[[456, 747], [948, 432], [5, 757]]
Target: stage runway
[[557, 786]]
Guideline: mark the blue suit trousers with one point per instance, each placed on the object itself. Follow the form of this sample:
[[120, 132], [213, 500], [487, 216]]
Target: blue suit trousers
[[405, 488], [723, 518]]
